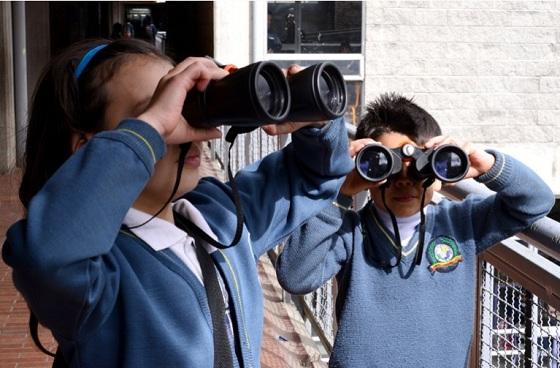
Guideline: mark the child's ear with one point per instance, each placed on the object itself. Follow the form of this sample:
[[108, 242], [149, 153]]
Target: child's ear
[[79, 139]]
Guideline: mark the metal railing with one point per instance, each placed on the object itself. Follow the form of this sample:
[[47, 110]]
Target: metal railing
[[519, 296]]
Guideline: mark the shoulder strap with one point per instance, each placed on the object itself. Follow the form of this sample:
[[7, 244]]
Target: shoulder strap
[[59, 361], [33, 330], [187, 225]]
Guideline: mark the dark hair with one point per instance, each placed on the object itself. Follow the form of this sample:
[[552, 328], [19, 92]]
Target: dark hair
[[392, 112], [63, 106]]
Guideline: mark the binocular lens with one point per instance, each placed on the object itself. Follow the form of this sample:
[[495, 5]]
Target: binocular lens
[[271, 93], [318, 93], [332, 92], [264, 93], [450, 163], [374, 163]]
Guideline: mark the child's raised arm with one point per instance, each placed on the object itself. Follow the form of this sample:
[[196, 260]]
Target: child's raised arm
[[521, 198]]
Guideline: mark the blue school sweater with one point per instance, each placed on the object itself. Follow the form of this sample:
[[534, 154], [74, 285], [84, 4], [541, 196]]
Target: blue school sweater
[[109, 298], [411, 316]]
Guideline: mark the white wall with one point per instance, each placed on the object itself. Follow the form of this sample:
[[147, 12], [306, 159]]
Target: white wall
[[488, 71], [232, 32]]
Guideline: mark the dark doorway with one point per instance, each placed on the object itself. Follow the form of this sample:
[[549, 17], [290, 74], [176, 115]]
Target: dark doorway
[[74, 21], [184, 28]]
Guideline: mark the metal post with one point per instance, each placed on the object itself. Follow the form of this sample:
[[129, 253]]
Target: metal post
[[528, 311], [487, 301], [554, 351], [20, 76], [7, 113]]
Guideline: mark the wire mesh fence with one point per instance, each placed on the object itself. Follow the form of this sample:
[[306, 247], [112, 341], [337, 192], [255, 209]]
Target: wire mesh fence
[[517, 328], [247, 148], [321, 305]]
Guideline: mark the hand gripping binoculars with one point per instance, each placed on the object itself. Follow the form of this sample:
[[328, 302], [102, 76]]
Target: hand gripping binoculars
[[259, 94], [448, 163]]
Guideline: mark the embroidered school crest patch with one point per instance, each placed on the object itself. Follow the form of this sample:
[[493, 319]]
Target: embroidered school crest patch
[[443, 254]]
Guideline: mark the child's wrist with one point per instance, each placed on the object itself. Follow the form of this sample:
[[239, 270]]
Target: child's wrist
[[154, 123]]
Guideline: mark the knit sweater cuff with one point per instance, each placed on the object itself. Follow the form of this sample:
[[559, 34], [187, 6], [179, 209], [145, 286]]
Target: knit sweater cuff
[[142, 138], [499, 175]]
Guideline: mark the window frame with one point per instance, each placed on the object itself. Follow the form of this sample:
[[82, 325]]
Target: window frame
[[260, 49]]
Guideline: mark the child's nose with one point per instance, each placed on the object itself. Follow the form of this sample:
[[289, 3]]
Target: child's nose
[[402, 178]]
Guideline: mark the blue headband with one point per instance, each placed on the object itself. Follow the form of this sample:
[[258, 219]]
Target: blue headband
[[87, 58]]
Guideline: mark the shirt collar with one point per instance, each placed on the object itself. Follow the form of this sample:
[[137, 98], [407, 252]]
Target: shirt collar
[[157, 233], [160, 234]]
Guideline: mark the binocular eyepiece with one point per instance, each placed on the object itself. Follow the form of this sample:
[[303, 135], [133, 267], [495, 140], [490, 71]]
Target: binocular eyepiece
[[260, 94], [448, 163]]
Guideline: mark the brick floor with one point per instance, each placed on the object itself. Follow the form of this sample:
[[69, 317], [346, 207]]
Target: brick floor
[[285, 342]]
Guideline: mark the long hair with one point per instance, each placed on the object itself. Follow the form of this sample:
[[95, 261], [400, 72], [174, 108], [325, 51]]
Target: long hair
[[392, 112], [64, 105]]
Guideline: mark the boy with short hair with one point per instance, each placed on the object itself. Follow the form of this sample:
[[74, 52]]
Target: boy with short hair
[[392, 312]]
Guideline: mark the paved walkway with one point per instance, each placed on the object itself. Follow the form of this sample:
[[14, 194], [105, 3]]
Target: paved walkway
[[285, 342]]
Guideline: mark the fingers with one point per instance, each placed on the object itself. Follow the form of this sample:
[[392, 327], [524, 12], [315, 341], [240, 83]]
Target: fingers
[[183, 133], [294, 69], [199, 75], [205, 62], [165, 109], [272, 129], [354, 184], [284, 128], [357, 145]]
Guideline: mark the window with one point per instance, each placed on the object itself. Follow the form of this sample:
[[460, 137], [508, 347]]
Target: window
[[314, 27], [310, 32]]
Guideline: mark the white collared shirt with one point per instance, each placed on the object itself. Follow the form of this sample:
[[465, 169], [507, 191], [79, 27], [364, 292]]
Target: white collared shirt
[[407, 225], [160, 234]]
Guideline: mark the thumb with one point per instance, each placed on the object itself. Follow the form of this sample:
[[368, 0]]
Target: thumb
[[183, 132]]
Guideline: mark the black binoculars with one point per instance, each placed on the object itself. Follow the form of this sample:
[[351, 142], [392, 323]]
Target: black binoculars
[[260, 94], [448, 163]]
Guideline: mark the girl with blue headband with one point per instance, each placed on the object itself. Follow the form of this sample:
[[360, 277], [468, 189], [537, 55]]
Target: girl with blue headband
[[117, 286]]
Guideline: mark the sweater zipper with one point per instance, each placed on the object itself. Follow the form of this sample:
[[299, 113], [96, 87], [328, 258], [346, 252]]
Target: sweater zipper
[[236, 284]]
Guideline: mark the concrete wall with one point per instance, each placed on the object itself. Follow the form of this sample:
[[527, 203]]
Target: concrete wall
[[232, 27], [489, 71]]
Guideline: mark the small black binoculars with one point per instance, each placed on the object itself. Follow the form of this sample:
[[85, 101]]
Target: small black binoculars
[[259, 94], [448, 163]]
